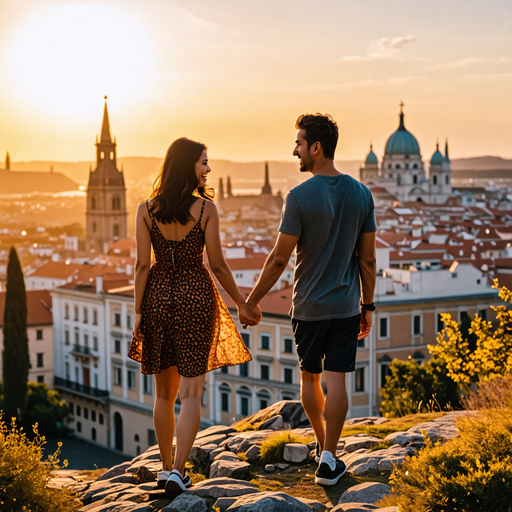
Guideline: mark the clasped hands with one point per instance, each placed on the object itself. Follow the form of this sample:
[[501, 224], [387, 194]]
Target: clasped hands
[[249, 314]]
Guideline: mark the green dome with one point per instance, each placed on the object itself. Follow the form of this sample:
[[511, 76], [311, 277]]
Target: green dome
[[402, 142], [437, 157], [371, 158]]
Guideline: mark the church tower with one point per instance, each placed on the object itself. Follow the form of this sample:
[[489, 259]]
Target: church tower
[[106, 195]]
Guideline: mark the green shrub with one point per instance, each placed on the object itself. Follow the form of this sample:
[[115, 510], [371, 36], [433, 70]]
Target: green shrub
[[24, 477], [272, 448], [471, 473], [414, 388]]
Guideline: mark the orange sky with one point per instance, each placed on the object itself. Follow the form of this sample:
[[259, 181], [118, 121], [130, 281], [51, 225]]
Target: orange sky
[[236, 74]]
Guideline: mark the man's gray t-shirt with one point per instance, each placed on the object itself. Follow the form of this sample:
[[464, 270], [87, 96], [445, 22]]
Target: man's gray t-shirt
[[327, 213]]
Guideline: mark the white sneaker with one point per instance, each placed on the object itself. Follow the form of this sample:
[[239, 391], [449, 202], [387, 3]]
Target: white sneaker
[[175, 484], [164, 475]]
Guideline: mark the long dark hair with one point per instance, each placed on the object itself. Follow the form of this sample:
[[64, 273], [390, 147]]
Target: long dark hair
[[176, 183]]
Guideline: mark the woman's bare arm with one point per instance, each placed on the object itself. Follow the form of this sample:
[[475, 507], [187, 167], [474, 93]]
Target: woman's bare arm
[[143, 258]]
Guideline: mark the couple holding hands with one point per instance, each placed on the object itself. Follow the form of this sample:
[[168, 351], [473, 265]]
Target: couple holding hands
[[182, 327]]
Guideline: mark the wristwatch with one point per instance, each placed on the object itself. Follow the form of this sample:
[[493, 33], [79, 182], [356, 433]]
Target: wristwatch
[[368, 307]]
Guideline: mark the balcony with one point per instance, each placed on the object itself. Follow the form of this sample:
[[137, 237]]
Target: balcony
[[78, 350], [79, 388]]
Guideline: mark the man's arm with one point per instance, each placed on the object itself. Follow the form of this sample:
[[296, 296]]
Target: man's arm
[[367, 263], [274, 267]]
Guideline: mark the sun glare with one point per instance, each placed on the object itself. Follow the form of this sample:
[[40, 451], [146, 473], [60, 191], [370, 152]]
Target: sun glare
[[68, 57]]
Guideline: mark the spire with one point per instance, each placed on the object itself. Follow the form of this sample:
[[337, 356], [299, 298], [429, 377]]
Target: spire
[[105, 128], [266, 187], [446, 157], [221, 189], [7, 162], [401, 125], [229, 191]]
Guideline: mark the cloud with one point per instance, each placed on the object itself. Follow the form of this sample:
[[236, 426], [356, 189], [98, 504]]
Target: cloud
[[384, 48], [462, 63]]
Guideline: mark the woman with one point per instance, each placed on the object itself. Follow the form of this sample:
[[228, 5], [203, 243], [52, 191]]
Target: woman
[[182, 327]]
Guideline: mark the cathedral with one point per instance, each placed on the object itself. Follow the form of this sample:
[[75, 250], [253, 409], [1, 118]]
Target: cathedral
[[402, 171], [106, 195]]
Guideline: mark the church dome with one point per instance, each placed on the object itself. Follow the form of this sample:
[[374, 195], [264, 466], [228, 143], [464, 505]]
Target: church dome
[[437, 157], [402, 142], [371, 158]]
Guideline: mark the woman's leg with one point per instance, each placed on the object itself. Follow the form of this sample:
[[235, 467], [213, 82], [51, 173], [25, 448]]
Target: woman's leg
[[191, 391], [167, 384]]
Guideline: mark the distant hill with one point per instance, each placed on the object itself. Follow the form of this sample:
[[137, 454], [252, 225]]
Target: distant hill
[[26, 182], [481, 163]]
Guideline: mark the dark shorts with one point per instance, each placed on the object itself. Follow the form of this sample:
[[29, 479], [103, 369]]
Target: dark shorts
[[334, 339]]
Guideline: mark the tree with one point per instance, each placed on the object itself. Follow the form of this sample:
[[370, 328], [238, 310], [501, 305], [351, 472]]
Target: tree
[[412, 388], [15, 356], [491, 356]]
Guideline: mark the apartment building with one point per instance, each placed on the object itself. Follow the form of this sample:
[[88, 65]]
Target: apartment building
[[40, 336]]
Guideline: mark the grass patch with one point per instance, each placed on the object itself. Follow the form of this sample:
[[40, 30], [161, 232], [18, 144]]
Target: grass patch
[[241, 456], [272, 448], [248, 424], [264, 485], [383, 445]]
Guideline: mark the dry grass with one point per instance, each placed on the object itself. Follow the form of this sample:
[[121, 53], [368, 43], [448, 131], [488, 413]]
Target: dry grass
[[272, 448], [383, 445], [264, 485]]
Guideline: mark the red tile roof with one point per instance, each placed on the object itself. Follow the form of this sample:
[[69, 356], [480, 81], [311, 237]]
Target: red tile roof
[[39, 304]]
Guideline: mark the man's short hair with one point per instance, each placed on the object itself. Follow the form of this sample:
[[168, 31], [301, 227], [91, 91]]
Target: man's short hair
[[319, 128]]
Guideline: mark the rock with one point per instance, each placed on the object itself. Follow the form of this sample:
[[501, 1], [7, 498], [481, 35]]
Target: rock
[[100, 490], [230, 469], [295, 452], [215, 430], [222, 504], [291, 411], [402, 438], [356, 442], [253, 453], [388, 509], [354, 507], [268, 502], [216, 440], [186, 502], [121, 506], [115, 471], [216, 452], [275, 423], [127, 478], [368, 492], [144, 475], [201, 454], [389, 463], [380, 421], [316, 506], [269, 468], [282, 466], [242, 442], [233, 457], [223, 487]]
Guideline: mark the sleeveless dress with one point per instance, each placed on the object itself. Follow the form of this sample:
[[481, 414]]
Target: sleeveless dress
[[184, 319]]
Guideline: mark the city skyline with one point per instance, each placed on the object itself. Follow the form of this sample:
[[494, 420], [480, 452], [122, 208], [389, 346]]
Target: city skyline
[[237, 76]]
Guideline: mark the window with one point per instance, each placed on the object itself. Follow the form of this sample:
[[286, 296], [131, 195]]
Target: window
[[482, 313], [94, 317], [86, 413], [288, 375], [76, 314], [66, 311], [77, 372], [136, 438], [40, 379], [225, 392], [86, 340], [117, 346], [71, 407], [116, 231], [40, 363], [117, 318], [397, 166], [78, 410], [244, 406], [116, 203], [147, 384], [224, 369], [67, 371], [95, 342], [78, 426], [416, 327], [129, 321], [359, 380], [100, 418], [138, 450], [93, 203], [415, 166], [263, 403], [244, 370], [288, 345], [118, 376], [86, 316], [66, 337], [440, 323], [131, 379], [204, 397], [93, 415], [464, 315], [415, 179], [361, 343], [77, 338], [39, 334], [264, 372], [383, 328], [385, 372], [447, 179], [94, 227], [96, 380], [434, 180], [265, 342], [247, 339], [151, 437], [93, 434]]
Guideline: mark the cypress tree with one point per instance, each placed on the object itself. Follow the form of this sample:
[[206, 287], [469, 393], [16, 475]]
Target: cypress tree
[[15, 356]]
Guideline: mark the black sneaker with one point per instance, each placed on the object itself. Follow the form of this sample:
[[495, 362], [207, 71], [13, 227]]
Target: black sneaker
[[326, 476], [175, 484], [162, 480]]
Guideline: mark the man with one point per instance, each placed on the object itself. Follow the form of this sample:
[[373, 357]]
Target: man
[[330, 221]]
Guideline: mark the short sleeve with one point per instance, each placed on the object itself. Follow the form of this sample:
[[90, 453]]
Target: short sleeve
[[291, 218], [369, 224]]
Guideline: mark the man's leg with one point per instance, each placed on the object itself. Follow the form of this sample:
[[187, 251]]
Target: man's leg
[[336, 405], [313, 402]]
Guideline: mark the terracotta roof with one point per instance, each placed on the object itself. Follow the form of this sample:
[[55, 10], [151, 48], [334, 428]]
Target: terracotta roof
[[57, 270], [277, 303], [39, 304], [255, 263]]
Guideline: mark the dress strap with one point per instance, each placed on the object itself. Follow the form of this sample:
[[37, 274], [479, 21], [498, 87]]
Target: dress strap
[[202, 210], [149, 212]]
